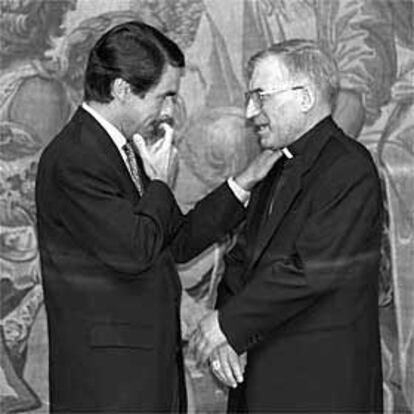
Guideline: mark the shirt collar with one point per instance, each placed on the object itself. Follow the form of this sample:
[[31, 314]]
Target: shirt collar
[[287, 153], [117, 137]]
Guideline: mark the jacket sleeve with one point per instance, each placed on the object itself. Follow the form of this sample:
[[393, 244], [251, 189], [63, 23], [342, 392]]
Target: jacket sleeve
[[342, 231], [130, 237], [235, 264], [211, 219]]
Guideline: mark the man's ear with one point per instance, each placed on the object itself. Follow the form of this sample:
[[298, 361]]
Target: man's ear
[[307, 98], [120, 89]]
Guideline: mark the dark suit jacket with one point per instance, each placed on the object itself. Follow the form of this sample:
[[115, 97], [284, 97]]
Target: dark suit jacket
[[111, 288], [300, 291]]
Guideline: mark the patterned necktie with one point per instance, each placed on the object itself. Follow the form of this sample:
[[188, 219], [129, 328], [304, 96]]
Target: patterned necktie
[[133, 167]]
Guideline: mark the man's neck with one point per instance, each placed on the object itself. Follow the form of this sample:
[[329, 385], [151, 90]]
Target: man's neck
[[309, 122], [315, 118], [107, 111]]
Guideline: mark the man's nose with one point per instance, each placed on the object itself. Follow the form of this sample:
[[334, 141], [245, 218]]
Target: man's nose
[[168, 107], [251, 109]]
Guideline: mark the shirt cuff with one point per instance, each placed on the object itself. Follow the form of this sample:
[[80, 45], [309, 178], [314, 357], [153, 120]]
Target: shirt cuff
[[240, 193]]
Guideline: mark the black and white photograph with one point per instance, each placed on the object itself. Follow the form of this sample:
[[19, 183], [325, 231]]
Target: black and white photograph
[[207, 206]]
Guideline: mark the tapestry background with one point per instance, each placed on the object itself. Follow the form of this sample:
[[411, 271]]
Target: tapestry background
[[43, 50]]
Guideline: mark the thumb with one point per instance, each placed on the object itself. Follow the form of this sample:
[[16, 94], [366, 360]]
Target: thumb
[[174, 152], [140, 145], [270, 156], [243, 360], [166, 141], [276, 155], [169, 132]]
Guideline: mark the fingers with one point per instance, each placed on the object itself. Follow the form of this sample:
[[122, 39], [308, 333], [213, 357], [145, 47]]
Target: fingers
[[200, 346], [243, 360], [207, 337], [226, 366], [204, 350], [265, 162], [163, 146], [174, 165], [221, 369], [168, 133], [158, 158], [140, 145], [234, 364], [224, 374], [158, 146], [271, 156]]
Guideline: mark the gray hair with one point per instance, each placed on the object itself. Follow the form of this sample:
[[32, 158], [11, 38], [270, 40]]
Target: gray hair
[[303, 57]]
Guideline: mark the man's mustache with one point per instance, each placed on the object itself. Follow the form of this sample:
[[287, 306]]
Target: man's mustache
[[155, 129]]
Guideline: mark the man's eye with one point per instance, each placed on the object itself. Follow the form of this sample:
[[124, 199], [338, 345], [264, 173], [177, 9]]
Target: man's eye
[[171, 98]]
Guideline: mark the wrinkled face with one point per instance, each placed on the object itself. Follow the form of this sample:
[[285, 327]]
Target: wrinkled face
[[144, 114], [277, 116]]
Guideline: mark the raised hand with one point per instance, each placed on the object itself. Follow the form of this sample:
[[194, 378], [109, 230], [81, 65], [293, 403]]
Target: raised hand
[[257, 169], [159, 158]]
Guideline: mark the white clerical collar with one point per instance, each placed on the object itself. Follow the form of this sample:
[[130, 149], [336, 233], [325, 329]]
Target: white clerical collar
[[287, 153]]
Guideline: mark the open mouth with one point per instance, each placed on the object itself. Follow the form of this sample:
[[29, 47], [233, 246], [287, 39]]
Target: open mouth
[[261, 128]]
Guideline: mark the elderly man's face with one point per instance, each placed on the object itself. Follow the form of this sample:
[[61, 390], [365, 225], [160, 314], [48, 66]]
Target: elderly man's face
[[276, 115]]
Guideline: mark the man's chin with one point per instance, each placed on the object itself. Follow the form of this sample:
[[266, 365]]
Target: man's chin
[[265, 141]]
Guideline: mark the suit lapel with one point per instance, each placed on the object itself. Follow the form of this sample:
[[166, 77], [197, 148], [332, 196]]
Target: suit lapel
[[100, 142], [257, 208], [291, 186]]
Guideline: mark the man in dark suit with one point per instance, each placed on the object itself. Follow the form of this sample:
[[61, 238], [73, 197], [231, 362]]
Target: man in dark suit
[[300, 290], [109, 235]]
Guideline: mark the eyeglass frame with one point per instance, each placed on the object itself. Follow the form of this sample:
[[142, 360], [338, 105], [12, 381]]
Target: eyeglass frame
[[248, 96]]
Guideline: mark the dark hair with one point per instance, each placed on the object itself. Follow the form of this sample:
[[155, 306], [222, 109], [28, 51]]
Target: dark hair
[[304, 57], [134, 51]]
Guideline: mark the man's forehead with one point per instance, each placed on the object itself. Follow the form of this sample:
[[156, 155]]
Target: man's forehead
[[268, 71], [170, 80]]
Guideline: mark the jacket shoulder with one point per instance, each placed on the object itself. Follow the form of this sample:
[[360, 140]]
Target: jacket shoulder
[[347, 157], [70, 145]]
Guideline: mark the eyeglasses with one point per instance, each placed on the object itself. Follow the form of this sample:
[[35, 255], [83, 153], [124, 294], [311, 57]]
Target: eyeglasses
[[257, 96]]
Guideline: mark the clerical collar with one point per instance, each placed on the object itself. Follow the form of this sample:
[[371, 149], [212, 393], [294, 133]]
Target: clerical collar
[[298, 147], [286, 152]]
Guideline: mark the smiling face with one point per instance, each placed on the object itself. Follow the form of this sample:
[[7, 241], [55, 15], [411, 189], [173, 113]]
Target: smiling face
[[280, 119], [142, 115]]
